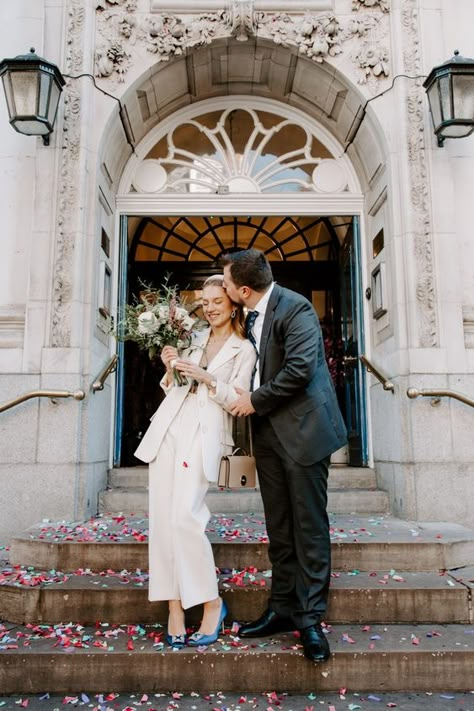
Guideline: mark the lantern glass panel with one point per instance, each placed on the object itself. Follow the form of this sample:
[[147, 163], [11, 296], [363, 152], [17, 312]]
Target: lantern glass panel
[[25, 88], [445, 96], [7, 85], [45, 83], [463, 96], [433, 98], [53, 102], [31, 127]]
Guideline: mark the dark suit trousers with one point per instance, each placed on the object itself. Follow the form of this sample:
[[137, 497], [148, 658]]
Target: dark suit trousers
[[295, 499]]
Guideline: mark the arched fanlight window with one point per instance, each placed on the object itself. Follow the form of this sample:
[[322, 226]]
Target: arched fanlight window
[[239, 150]]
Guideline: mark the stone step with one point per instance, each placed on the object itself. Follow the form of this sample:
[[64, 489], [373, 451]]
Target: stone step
[[135, 499], [340, 477], [35, 596], [362, 542], [232, 701], [382, 658]]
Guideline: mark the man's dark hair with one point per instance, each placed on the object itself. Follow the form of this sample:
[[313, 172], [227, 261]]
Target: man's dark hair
[[250, 268]]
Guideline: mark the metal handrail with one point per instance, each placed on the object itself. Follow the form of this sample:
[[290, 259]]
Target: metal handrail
[[436, 395], [110, 367], [53, 394], [371, 368]]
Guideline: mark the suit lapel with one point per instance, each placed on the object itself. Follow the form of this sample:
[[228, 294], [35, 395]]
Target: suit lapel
[[230, 348], [267, 324]]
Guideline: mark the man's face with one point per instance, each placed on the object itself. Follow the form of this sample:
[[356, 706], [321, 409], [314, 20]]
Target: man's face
[[233, 291]]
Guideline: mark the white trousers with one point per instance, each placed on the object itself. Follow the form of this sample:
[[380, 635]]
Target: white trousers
[[181, 562]]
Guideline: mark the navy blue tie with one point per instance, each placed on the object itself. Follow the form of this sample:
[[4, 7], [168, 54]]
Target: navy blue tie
[[249, 323]]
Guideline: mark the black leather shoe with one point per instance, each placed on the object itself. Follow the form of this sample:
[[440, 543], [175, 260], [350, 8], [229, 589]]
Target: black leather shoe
[[315, 644], [269, 623]]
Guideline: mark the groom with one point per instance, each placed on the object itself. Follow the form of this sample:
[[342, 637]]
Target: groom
[[296, 425]]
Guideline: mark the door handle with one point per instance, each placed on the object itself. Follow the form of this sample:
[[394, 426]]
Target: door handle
[[350, 360]]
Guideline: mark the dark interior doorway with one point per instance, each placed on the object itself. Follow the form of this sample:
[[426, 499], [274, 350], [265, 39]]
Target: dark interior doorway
[[305, 255]]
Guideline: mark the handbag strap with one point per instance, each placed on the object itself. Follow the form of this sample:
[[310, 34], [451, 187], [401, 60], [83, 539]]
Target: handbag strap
[[248, 445]]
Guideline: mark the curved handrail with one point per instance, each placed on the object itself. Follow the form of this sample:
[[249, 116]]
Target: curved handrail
[[371, 368], [109, 368], [53, 394], [437, 394]]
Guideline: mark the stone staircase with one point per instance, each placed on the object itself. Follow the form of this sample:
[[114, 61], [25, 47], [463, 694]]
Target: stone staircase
[[73, 597], [351, 489]]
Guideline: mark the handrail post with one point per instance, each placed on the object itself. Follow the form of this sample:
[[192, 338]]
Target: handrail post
[[52, 394], [436, 395], [110, 367], [387, 384]]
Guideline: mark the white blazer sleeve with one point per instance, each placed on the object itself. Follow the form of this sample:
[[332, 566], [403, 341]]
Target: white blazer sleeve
[[240, 378]]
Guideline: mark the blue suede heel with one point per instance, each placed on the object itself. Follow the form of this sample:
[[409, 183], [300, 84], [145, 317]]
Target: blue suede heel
[[177, 641], [197, 639]]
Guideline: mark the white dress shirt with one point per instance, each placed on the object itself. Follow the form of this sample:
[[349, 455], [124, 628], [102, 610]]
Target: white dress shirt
[[260, 308]]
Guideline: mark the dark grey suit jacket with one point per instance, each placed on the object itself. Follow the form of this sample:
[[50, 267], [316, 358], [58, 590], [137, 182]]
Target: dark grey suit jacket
[[296, 391]]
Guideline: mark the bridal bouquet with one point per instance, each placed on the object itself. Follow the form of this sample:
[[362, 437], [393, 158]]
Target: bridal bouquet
[[158, 318]]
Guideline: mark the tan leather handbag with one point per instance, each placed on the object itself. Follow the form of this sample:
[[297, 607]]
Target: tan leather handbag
[[237, 470]]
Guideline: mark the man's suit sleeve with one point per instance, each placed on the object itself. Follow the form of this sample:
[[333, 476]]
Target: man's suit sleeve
[[298, 331]]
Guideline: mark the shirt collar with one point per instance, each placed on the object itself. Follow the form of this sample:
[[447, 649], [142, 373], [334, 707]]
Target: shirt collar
[[261, 306]]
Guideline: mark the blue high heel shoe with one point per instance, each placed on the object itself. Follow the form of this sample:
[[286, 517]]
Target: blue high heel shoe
[[177, 641], [197, 639]]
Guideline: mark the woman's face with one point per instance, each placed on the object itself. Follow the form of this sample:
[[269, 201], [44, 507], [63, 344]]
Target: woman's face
[[216, 305]]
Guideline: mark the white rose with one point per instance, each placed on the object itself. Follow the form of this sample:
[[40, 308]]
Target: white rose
[[181, 313], [188, 323], [163, 313], [147, 323]]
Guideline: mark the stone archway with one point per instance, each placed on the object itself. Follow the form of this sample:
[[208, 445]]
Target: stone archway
[[257, 68]]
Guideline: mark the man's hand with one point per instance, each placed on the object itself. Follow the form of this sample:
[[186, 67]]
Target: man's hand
[[243, 404]]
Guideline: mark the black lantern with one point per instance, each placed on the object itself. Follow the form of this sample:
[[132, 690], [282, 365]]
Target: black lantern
[[450, 89], [32, 87]]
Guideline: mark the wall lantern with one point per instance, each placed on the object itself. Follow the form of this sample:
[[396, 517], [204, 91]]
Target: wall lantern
[[450, 89], [32, 87]]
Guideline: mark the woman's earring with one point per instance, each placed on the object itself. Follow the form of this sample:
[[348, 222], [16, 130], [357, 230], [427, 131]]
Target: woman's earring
[[233, 313]]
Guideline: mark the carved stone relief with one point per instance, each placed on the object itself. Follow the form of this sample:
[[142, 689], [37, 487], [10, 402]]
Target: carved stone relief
[[68, 181], [316, 35], [420, 189], [384, 5], [242, 18]]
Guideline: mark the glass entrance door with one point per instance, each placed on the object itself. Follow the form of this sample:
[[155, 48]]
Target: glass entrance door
[[352, 340]]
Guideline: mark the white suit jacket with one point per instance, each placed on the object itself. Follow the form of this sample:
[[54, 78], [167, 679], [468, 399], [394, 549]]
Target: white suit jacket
[[231, 367]]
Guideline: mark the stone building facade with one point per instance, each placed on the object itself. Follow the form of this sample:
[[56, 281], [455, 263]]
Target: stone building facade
[[248, 113]]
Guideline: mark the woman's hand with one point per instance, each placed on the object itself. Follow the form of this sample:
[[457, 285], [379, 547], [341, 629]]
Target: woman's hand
[[191, 370], [168, 354]]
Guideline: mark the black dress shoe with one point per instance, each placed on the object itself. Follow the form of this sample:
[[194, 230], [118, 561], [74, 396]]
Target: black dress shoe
[[315, 644], [269, 623]]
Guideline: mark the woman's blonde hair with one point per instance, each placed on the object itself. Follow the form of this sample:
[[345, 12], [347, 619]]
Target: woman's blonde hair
[[238, 321]]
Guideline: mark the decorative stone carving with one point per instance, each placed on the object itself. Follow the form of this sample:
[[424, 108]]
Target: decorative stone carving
[[384, 5], [242, 18], [373, 61], [168, 35], [419, 179], [68, 182], [371, 56], [110, 59], [315, 35], [318, 36]]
